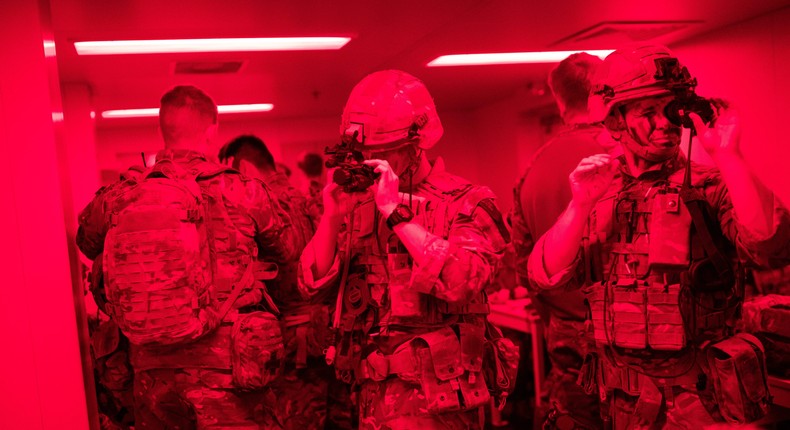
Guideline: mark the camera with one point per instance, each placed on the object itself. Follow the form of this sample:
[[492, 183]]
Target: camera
[[351, 175], [681, 84]]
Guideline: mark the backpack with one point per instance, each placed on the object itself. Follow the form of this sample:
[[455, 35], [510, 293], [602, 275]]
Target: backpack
[[159, 260]]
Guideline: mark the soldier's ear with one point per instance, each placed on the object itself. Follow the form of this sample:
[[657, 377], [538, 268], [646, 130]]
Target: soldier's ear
[[615, 123], [211, 132]]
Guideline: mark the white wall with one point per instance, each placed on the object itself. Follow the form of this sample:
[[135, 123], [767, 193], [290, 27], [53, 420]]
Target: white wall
[[41, 379], [749, 64]]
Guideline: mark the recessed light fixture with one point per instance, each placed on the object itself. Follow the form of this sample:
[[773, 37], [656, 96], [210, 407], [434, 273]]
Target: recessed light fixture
[[509, 58], [148, 112], [49, 48], [169, 46]]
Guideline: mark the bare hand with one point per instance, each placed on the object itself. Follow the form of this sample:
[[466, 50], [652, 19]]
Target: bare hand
[[386, 188], [725, 136], [592, 177], [338, 203]]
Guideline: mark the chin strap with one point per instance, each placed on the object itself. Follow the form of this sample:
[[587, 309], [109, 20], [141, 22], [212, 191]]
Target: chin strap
[[643, 152]]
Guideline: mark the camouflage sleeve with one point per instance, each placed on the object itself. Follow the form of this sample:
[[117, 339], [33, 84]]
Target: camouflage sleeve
[[764, 251], [457, 268], [92, 227], [277, 237]]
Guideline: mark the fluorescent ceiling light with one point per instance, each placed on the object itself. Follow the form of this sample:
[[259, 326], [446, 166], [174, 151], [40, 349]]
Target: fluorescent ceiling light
[[260, 107], [49, 48], [509, 58], [139, 113], [110, 47]]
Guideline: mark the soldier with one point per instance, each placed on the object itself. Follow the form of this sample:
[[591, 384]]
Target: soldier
[[179, 248], [312, 165], [539, 198], [651, 237], [302, 390], [411, 265], [109, 347]]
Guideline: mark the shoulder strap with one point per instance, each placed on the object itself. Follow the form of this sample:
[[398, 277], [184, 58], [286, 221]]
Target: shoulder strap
[[697, 205]]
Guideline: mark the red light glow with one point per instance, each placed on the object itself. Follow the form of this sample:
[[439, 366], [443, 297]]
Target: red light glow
[[509, 58], [148, 112], [113, 47]]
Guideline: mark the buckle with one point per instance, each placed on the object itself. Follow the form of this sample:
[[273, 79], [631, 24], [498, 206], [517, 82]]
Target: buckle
[[630, 380]]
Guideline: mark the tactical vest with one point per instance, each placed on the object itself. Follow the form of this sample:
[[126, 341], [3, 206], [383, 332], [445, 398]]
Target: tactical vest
[[381, 270], [638, 251], [449, 339]]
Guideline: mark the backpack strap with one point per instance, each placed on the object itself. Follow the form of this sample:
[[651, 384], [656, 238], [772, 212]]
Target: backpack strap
[[263, 271]]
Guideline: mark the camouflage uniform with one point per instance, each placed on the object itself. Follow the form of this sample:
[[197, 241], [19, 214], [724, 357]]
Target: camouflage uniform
[[302, 390], [190, 385], [649, 372], [315, 199], [398, 317], [540, 196], [109, 347], [113, 372]]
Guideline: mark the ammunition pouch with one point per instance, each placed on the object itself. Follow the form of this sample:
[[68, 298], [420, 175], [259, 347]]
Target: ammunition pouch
[[446, 368], [256, 349], [636, 316], [500, 365], [737, 369]]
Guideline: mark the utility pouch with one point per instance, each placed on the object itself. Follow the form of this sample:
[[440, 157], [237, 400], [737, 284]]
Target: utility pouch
[[602, 323], [737, 369], [257, 350], [665, 329], [629, 316], [588, 374], [670, 223], [442, 375], [500, 364], [472, 347]]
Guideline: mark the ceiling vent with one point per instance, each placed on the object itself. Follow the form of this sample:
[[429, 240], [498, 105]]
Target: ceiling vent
[[207, 67], [616, 33]]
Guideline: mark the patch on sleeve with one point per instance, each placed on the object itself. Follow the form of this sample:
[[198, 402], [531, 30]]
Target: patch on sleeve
[[492, 211]]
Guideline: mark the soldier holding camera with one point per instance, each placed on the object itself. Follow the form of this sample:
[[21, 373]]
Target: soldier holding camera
[[651, 237], [412, 248]]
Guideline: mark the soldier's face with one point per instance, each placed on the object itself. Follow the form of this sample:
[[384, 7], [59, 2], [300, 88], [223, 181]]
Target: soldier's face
[[649, 127], [400, 159]]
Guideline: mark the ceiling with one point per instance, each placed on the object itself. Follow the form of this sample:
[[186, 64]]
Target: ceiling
[[403, 34]]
